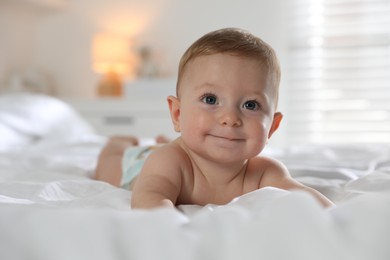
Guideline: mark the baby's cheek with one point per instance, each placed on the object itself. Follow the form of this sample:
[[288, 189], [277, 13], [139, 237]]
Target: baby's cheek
[[189, 128], [197, 122], [260, 138]]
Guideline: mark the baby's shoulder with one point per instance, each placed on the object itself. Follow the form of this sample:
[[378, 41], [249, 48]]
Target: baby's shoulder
[[265, 162], [273, 172], [170, 152], [267, 166]]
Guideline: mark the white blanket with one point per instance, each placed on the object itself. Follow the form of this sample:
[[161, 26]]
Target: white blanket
[[51, 208]]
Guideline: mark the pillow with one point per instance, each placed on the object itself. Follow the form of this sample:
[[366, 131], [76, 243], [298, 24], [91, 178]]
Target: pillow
[[26, 118]]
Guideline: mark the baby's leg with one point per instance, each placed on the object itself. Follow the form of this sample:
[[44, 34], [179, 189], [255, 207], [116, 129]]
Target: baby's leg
[[109, 165]]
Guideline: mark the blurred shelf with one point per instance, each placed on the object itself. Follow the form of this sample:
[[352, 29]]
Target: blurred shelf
[[125, 116]]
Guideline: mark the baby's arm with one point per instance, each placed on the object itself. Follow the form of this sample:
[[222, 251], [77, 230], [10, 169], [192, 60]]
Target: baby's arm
[[159, 182], [277, 175]]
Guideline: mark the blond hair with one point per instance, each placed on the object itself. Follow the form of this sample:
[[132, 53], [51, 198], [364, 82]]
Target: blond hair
[[237, 42]]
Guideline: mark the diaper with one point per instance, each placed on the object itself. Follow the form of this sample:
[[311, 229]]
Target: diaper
[[132, 162]]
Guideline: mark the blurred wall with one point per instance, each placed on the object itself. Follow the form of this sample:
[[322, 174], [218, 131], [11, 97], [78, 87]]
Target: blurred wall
[[18, 28], [58, 40]]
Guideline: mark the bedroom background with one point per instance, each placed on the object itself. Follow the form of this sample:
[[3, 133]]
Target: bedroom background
[[335, 90], [334, 55]]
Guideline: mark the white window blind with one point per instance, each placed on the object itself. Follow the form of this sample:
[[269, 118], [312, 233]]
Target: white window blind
[[340, 71]]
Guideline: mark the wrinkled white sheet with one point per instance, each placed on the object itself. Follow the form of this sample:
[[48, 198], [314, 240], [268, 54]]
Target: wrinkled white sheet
[[51, 208]]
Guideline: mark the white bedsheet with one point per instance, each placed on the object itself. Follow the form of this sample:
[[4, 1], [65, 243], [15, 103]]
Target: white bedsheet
[[50, 208]]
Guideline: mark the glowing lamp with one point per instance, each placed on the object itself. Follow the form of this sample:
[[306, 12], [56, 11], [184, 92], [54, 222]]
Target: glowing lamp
[[111, 57]]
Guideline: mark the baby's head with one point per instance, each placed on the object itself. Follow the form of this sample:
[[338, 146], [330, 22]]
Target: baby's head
[[235, 42]]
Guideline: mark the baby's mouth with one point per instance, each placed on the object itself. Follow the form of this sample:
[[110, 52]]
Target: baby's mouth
[[228, 138]]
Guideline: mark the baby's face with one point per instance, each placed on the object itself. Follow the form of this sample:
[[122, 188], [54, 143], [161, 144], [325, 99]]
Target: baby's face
[[226, 107]]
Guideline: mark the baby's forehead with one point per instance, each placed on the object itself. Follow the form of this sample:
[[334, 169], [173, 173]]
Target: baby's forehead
[[201, 63], [224, 59], [212, 56]]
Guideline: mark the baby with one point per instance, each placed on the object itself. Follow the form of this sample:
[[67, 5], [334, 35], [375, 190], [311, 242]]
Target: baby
[[225, 112]]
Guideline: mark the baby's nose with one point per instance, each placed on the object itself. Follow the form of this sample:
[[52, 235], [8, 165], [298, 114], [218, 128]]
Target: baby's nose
[[230, 117]]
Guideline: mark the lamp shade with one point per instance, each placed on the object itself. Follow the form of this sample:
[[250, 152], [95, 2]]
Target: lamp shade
[[111, 53]]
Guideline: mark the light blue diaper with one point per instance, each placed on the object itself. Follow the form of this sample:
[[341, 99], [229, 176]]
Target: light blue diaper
[[132, 162]]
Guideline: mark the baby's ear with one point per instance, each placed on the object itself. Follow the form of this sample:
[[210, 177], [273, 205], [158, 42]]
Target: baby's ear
[[275, 123], [174, 109]]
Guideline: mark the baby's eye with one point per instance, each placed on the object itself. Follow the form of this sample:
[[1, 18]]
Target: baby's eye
[[209, 99], [251, 105]]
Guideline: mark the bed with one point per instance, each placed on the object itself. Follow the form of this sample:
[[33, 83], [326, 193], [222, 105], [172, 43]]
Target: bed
[[52, 208]]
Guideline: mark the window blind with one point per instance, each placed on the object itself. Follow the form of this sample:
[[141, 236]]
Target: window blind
[[340, 71]]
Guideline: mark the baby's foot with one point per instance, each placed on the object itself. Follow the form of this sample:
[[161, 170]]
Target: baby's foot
[[127, 140], [160, 139]]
